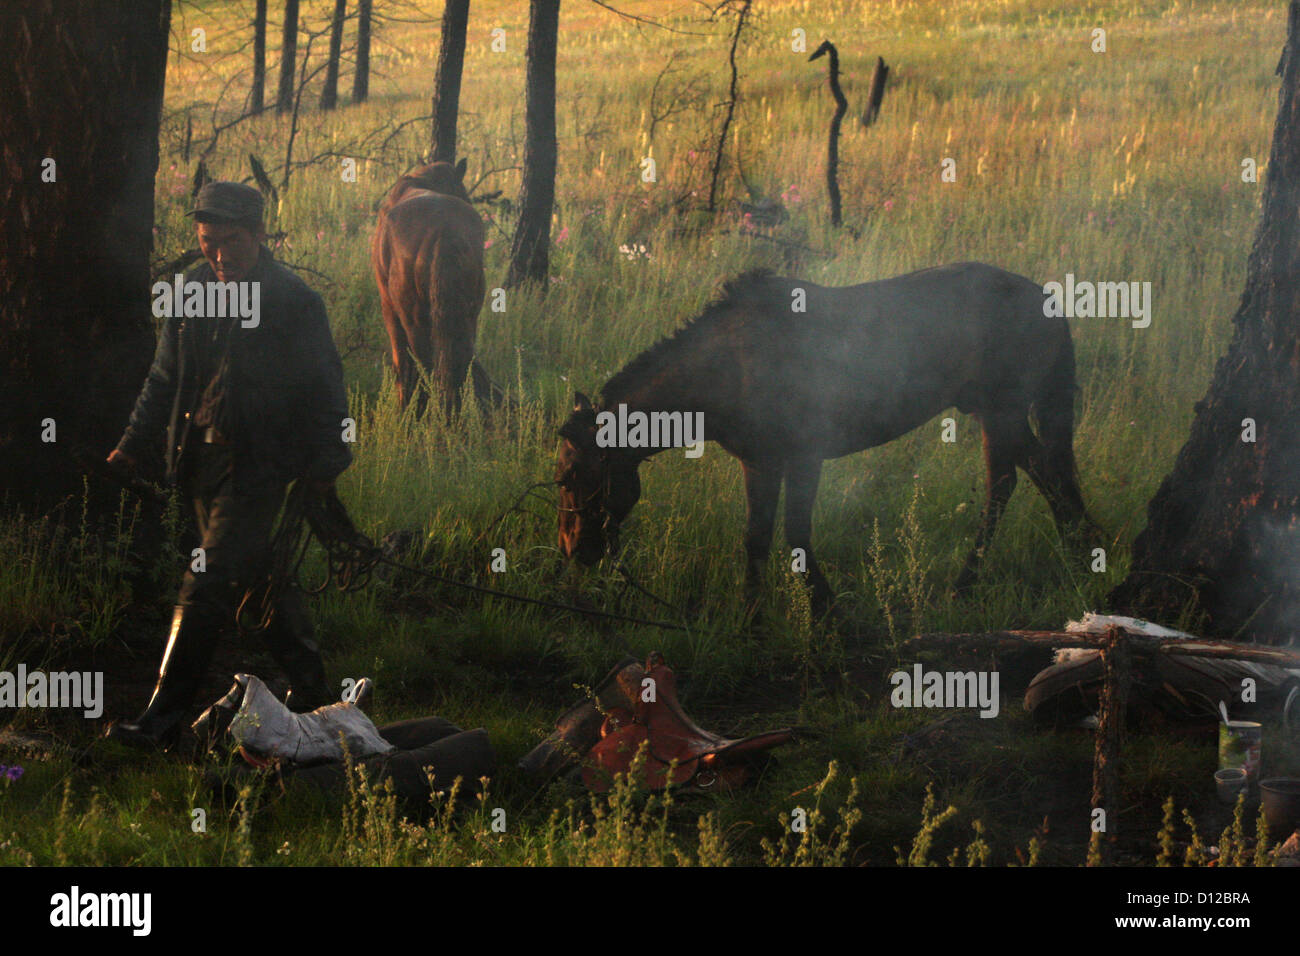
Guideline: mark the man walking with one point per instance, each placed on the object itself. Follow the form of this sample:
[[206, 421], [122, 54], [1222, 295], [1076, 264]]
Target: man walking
[[251, 399]]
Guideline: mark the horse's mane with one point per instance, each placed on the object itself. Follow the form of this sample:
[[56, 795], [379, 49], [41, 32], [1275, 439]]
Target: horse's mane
[[743, 289]]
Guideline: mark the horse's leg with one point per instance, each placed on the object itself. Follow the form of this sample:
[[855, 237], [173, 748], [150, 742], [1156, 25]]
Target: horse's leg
[[762, 488], [802, 476], [1060, 490], [1002, 450]]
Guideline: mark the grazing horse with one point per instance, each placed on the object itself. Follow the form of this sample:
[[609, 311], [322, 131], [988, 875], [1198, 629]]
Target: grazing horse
[[783, 388], [427, 254]]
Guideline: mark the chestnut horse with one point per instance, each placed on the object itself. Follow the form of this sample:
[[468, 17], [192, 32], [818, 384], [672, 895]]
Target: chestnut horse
[[787, 374], [427, 254]]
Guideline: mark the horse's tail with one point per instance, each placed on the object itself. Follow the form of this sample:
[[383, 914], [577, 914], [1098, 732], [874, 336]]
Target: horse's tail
[[1054, 409]]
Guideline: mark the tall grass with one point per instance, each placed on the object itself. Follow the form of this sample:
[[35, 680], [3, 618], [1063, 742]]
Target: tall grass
[[1116, 166]]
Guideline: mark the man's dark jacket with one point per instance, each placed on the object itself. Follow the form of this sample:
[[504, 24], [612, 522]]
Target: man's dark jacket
[[284, 394]]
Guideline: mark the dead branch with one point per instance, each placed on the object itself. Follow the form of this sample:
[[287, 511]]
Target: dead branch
[[833, 141]]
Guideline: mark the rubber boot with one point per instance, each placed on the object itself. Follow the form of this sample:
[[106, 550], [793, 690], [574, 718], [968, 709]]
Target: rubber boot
[[289, 639], [190, 645]]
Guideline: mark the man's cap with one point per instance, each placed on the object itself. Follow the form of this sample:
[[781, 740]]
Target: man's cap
[[227, 202]]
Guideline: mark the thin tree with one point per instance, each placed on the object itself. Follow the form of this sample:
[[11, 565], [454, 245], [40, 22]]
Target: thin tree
[[833, 141], [733, 96], [329, 96], [1221, 534], [530, 251], [257, 96], [361, 78], [446, 93], [288, 56], [79, 146]]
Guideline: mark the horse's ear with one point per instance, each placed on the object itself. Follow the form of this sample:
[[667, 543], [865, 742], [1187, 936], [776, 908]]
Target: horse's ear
[[581, 403], [460, 167]]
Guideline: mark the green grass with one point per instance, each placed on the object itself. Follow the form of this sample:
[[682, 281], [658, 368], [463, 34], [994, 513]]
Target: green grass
[[1123, 165]]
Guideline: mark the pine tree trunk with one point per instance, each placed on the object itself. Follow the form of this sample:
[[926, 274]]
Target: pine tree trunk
[[1223, 531], [257, 96], [446, 95], [361, 79], [530, 252], [82, 86], [329, 97], [288, 56]]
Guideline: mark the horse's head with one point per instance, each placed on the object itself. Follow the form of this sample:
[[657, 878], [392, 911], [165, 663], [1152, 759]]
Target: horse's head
[[438, 177], [598, 487]]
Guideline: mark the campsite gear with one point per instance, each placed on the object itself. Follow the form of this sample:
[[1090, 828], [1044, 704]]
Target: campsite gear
[[425, 747], [306, 747], [1239, 746], [190, 644], [1178, 687], [263, 726], [678, 752], [1228, 784], [850, 368], [1280, 801], [579, 728]]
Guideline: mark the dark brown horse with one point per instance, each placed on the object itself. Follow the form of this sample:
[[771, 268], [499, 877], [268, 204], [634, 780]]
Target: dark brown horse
[[784, 389], [427, 254]]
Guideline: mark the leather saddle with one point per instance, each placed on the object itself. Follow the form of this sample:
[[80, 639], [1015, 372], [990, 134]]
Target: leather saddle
[[636, 706]]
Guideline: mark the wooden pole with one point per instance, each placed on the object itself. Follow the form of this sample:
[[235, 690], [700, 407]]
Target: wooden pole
[[1117, 668], [1012, 641]]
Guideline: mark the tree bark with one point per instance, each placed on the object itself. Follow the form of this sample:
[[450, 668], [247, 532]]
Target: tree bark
[[288, 56], [446, 94], [1223, 531], [329, 96], [361, 78], [82, 86], [530, 251], [257, 96]]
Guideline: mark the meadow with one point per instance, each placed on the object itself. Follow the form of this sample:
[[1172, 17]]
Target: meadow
[[1123, 165]]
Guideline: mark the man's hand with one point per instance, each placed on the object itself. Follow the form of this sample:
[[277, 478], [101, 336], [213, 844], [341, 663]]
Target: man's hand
[[122, 462]]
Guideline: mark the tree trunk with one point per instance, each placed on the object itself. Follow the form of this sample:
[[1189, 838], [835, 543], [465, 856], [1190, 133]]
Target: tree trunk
[[329, 96], [833, 137], [530, 252], [361, 79], [733, 96], [1223, 531], [82, 87], [446, 95], [288, 56], [877, 95], [257, 96]]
